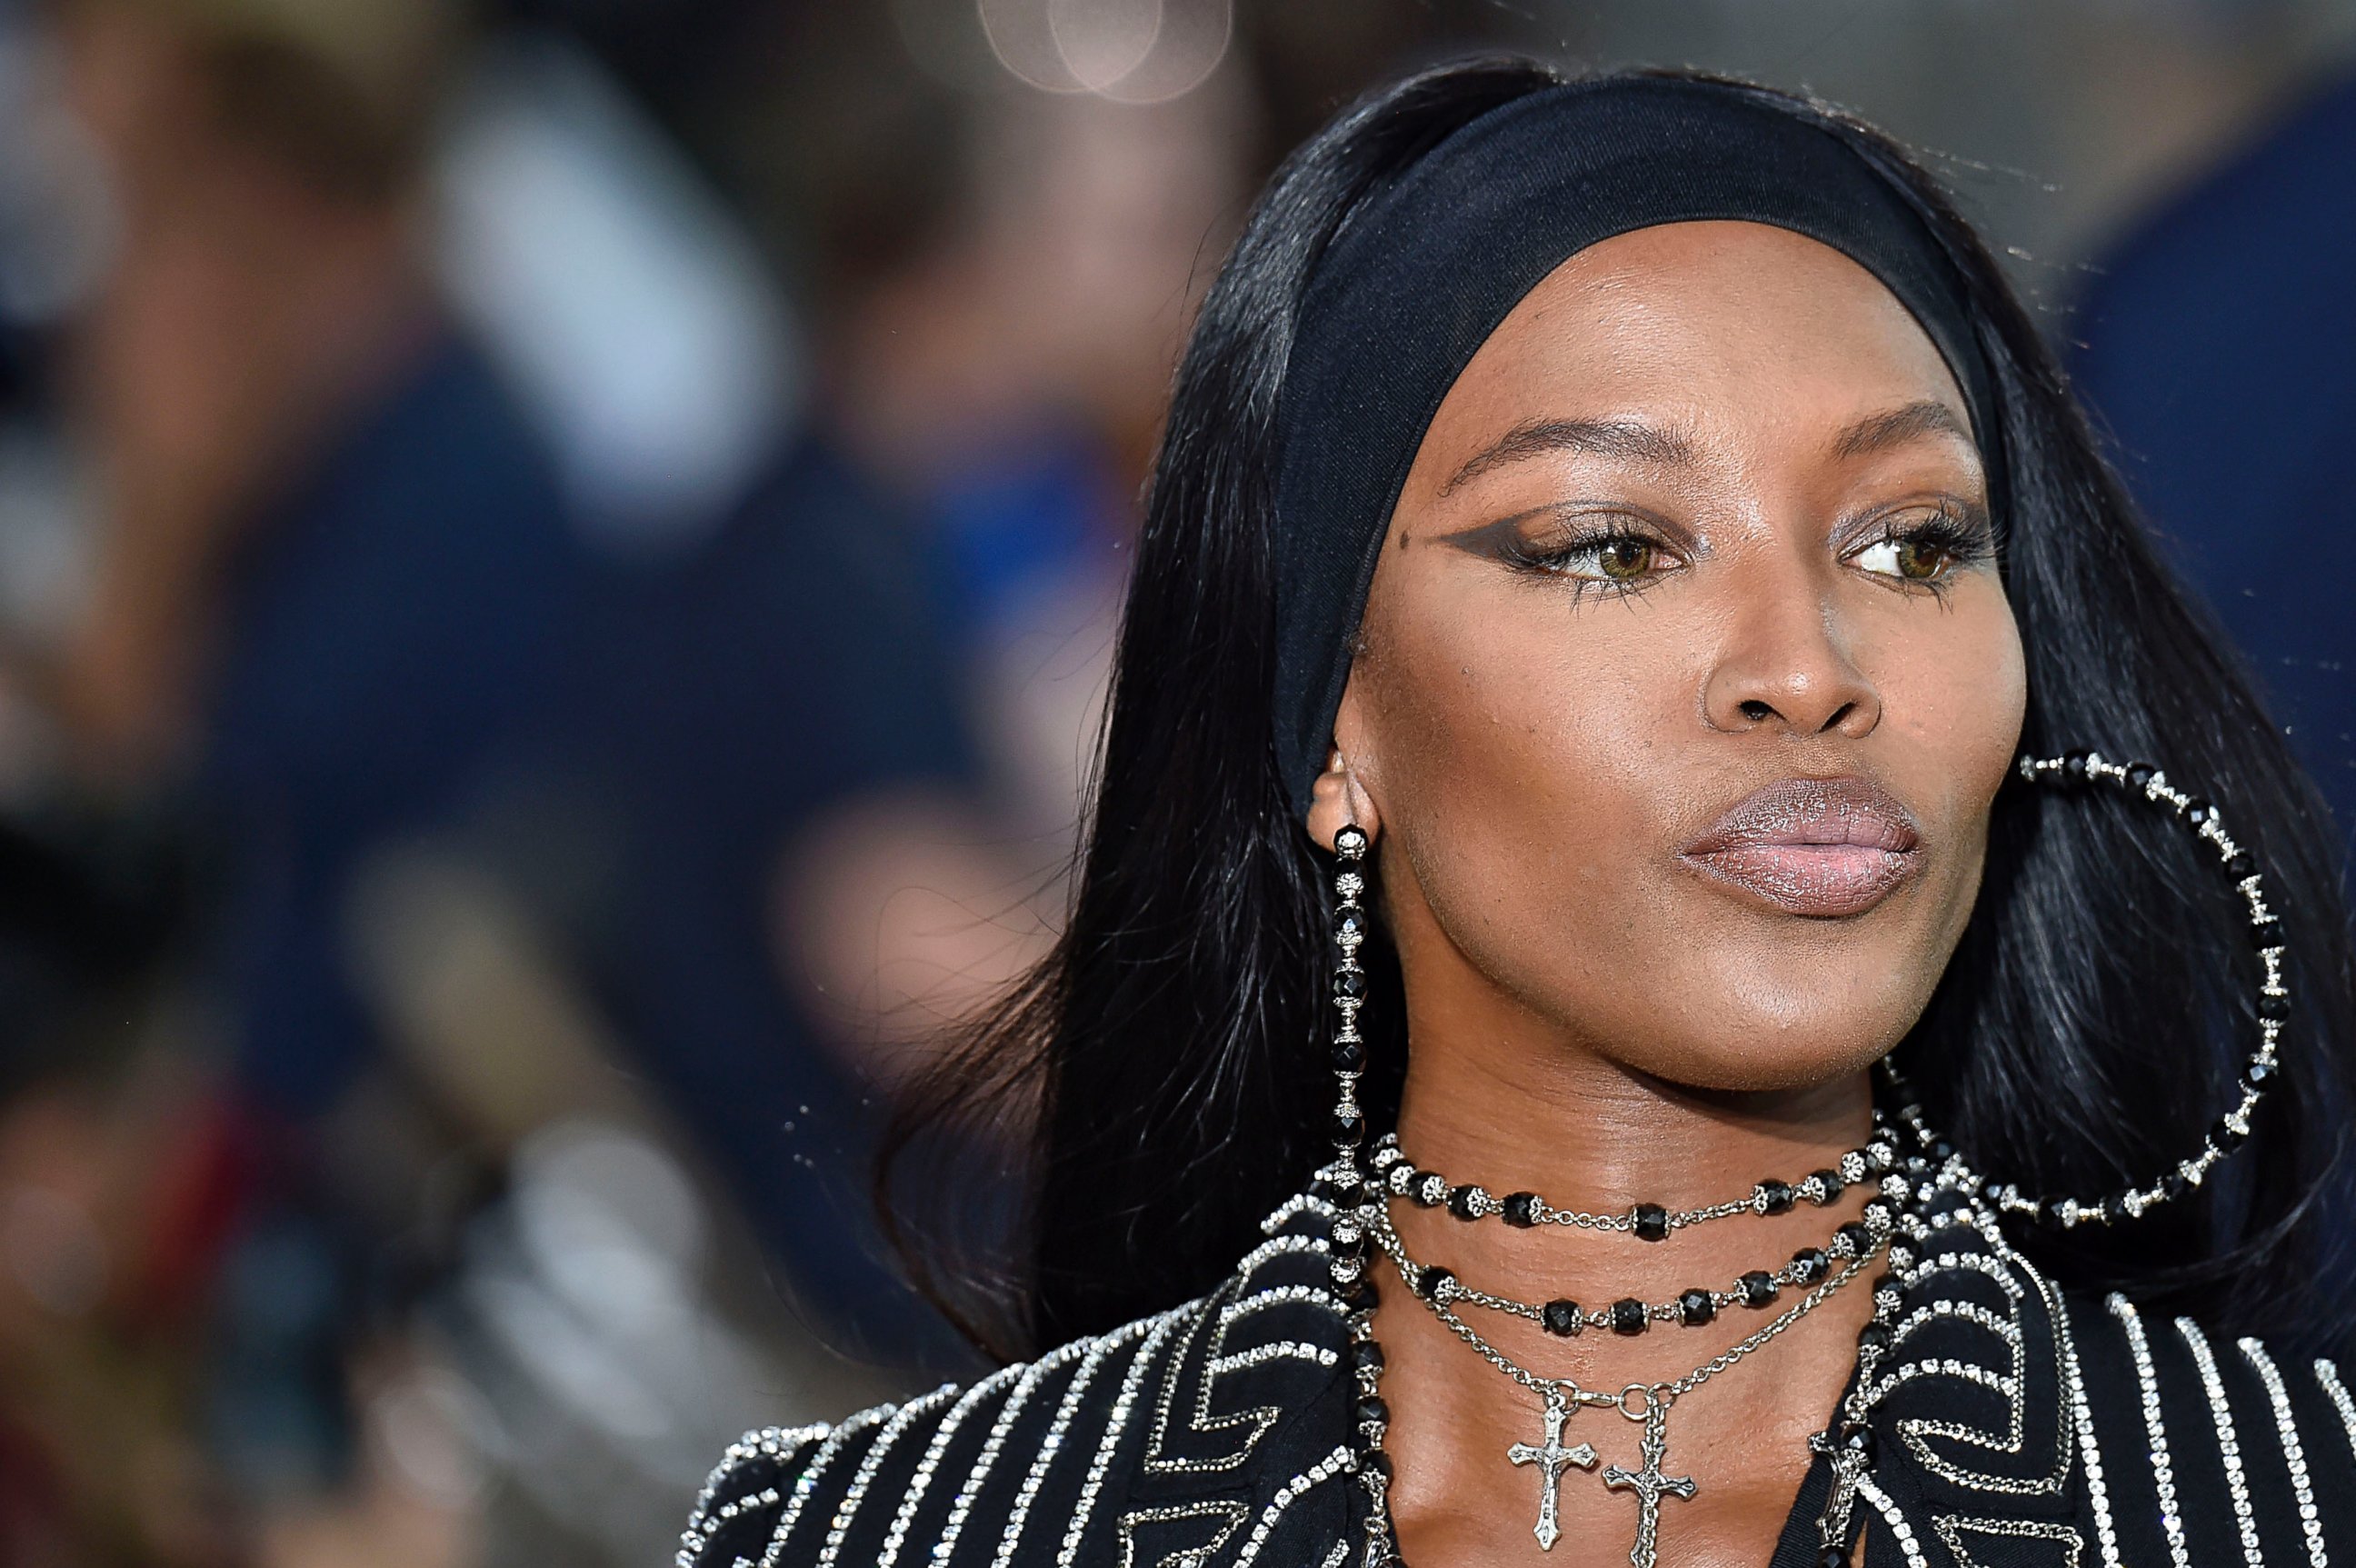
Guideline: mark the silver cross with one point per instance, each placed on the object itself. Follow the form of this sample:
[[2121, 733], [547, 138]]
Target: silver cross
[[1649, 1485], [1550, 1458]]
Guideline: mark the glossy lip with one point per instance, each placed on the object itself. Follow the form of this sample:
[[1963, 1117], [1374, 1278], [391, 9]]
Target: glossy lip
[[1816, 847]]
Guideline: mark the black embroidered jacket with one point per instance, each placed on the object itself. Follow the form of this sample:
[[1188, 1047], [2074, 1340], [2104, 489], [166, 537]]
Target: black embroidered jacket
[[2018, 1426]]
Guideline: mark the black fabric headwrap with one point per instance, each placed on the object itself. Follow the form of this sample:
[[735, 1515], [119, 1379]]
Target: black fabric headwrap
[[1423, 274]]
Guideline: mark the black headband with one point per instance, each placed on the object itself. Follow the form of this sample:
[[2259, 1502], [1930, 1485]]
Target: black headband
[[1420, 276]]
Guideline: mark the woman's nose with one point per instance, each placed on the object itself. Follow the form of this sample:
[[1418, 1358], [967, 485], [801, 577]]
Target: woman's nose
[[1786, 663]]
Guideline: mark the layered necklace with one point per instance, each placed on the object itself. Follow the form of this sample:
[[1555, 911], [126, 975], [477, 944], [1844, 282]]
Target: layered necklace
[[1917, 1175], [1816, 1273]]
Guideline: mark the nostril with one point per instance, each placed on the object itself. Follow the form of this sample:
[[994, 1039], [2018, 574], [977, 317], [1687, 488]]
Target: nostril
[[1755, 710]]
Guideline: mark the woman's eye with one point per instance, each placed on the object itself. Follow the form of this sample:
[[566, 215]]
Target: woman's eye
[[1622, 559], [1909, 559]]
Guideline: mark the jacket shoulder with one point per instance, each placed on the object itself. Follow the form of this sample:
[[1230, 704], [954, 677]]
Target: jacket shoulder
[[1041, 1460], [2218, 1448]]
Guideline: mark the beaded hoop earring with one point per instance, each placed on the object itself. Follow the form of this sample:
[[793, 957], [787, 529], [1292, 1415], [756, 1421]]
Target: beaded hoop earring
[[2230, 1130]]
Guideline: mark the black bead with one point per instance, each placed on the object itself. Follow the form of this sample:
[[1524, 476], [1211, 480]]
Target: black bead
[[1349, 923], [2225, 1137], [1521, 1209], [1428, 1190], [1695, 1308], [1329, 1191], [1874, 1335], [1372, 1409], [1367, 1356], [1562, 1317], [2239, 866], [2175, 1184], [1349, 1128], [1858, 1438], [1351, 982], [2275, 1009], [1428, 1282], [1860, 1239], [2141, 773], [1830, 1184], [1460, 1202], [1349, 1057], [1833, 1557], [2199, 812], [1630, 1315], [2258, 1074], [2073, 767], [2266, 934], [1772, 1195], [1350, 841], [1650, 1221], [1881, 1209], [1379, 1463], [1942, 1150], [1758, 1288], [1809, 1264], [1359, 1294]]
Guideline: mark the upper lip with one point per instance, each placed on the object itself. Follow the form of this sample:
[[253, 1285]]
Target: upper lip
[[1800, 811]]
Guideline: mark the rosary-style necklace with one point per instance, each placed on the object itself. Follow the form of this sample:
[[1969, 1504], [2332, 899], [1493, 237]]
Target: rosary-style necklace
[[1692, 1307], [1647, 1402], [1645, 1221]]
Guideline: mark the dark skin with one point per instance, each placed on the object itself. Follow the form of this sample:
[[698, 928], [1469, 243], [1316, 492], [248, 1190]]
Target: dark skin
[[1703, 514]]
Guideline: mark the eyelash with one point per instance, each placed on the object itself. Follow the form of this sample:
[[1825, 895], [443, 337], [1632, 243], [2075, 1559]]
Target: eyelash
[[1962, 540], [1553, 559]]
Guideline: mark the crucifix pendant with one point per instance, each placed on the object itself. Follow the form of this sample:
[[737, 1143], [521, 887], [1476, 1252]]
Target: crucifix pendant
[[1649, 1485], [1550, 1457]]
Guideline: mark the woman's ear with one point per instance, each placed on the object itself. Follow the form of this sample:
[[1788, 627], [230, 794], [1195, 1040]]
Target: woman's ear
[[1338, 800]]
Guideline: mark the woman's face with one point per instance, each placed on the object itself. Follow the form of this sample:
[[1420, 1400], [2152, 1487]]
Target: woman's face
[[1686, 680]]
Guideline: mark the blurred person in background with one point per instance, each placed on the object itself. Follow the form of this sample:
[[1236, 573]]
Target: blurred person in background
[[1000, 362], [2213, 340], [329, 559]]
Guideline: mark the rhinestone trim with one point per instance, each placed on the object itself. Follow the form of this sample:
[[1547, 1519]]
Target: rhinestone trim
[[2163, 1469], [2098, 1491], [872, 1462], [1899, 1531], [2328, 1374], [779, 1442], [2310, 1523], [1066, 1410], [905, 1518], [1123, 1405], [2229, 1446], [1332, 1464], [1235, 1312], [806, 1484], [994, 1444]]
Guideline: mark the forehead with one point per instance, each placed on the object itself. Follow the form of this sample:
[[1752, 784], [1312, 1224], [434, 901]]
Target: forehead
[[1725, 324]]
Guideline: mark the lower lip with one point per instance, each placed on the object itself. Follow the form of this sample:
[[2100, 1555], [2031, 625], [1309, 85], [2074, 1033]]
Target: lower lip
[[1822, 880]]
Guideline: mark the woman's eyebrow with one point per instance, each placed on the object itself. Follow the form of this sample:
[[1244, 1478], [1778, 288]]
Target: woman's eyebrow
[[1625, 439], [1891, 427]]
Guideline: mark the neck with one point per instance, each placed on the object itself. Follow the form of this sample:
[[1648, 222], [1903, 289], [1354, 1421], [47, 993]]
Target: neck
[[1587, 1133], [1494, 1099]]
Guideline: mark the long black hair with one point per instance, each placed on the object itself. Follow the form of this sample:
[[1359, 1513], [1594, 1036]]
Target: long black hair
[[1162, 1071]]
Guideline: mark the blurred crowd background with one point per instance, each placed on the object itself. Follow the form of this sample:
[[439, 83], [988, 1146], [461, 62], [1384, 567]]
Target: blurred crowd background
[[557, 565]]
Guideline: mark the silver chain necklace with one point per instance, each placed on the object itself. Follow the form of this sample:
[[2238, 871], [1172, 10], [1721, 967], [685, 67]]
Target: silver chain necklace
[[1647, 1403]]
